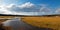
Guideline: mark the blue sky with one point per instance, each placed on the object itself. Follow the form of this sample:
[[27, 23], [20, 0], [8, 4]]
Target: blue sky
[[40, 6], [53, 3]]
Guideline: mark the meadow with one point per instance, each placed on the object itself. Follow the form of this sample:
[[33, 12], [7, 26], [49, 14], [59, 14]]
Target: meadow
[[52, 22], [4, 18], [43, 22]]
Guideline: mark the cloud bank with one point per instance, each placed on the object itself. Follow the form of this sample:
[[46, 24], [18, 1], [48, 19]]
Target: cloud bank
[[27, 8]]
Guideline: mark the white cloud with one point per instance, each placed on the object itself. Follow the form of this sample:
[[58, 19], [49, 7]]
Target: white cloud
[[45, 9], [26, 5], [3, 10], [9, 6], [57, 10], [24, 9]]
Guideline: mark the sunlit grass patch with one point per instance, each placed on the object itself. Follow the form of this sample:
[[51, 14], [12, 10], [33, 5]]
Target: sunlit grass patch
[[45, 22]]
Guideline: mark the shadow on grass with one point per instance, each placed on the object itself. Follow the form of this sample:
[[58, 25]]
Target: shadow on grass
[[30, 27], [37, 28], [42, 28]]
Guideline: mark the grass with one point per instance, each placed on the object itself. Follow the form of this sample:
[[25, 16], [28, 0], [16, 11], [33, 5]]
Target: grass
[[5, 18], [45, 22], [41, 22]]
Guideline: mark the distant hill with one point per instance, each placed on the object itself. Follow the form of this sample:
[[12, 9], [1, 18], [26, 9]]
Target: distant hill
[[9, 15], [30, 15]]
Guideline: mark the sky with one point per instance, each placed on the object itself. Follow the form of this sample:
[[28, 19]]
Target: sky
[[30, 7]]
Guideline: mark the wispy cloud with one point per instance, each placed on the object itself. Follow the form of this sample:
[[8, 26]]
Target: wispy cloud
[[27, 8], [57, 11]]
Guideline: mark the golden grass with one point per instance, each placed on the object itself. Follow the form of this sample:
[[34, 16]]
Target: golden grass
[[5, 18], [45, 22]]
